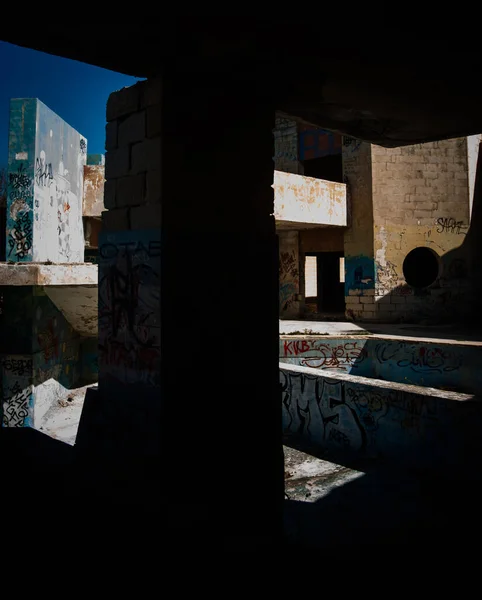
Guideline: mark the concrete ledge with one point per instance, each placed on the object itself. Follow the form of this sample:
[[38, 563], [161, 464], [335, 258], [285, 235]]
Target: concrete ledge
[[48, 274], [364, 418]]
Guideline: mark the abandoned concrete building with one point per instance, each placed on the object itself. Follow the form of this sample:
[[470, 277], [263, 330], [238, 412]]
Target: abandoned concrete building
[[202, 249], [383, 236], [48, 325]]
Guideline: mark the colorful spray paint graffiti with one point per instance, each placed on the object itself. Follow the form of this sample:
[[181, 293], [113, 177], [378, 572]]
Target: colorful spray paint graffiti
[[320, 354], [129, 307], [440, 365]]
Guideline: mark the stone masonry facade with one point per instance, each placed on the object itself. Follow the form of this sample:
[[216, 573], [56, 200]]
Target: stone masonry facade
[[416, 196]]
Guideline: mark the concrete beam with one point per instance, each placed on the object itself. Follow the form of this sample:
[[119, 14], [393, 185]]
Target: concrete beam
[[46, 275]]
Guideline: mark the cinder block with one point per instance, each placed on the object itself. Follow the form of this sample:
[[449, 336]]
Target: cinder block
[[110, 193], [366, 299], [116, 219], [369, 307], [153, 181], [146, 217], [131, 190], [368, 314], [398, 300], [352, 299], [117, 163], [150, 92], [385, 307], [146, 156], [111, 135], [132, 129], [123, 102], [153, 121]]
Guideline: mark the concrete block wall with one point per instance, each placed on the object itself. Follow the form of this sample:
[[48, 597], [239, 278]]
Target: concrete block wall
[[358, 239], [45, 185], [421, 198], [129, 243], [401, 199]]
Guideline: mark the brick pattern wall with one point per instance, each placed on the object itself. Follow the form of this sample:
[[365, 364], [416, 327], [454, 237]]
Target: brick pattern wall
[[358, 239], [133, 156], [420, 199]]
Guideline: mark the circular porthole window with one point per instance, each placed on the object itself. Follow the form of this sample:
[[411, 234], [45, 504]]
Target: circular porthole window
[[421, 267]]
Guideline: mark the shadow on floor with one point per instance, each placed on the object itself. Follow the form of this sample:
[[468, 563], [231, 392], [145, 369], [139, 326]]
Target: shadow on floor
[[384, 508]]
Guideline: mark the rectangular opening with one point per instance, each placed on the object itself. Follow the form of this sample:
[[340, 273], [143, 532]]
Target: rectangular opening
[[311, 284]]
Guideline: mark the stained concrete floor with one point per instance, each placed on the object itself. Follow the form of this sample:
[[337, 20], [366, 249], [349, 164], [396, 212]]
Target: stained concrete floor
[[448, 333]]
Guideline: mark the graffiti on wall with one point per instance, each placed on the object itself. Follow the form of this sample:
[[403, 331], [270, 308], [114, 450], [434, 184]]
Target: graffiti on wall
[[20, 232], [420, 358], [348, 416], [417, 363], [451, 225], [17, 390], [129, 306], [321, 354], [288, 278]]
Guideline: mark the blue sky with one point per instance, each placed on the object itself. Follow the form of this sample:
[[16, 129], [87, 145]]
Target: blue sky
[[75, 91]]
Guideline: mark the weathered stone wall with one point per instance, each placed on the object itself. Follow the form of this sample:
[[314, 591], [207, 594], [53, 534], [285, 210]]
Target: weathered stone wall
[[420, 199], [401, 199]]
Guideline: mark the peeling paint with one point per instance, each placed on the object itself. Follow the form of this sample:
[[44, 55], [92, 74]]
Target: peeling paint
[[301, 199]]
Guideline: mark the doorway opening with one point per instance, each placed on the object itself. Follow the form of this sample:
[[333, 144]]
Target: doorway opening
[[325, 283]]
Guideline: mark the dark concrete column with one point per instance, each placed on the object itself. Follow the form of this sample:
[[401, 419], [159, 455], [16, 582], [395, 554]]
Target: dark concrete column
[[220, 302], [199, 388]]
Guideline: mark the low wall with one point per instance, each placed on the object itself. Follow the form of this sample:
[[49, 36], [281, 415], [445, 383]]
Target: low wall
[[428, 363], [371, 419]]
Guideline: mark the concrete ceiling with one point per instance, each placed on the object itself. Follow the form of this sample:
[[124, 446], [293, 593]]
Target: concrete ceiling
[[390, 94]]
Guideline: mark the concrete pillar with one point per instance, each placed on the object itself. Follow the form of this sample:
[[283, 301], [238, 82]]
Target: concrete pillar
[[40, 356], [46, 161], [198, 392]]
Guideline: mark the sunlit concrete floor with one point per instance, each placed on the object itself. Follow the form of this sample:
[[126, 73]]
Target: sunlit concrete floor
[[448, 333]]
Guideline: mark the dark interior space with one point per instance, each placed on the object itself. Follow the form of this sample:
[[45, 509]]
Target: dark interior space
[[329, 168], [221, 83], [331, 291]]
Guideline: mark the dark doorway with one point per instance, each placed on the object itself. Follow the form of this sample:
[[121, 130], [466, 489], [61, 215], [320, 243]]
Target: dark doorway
[[330, 285]]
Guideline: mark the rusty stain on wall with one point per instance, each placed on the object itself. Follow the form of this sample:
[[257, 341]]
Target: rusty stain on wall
[[93, 199], [308, 200]]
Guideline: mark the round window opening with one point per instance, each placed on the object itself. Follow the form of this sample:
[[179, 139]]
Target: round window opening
[[421, 267]]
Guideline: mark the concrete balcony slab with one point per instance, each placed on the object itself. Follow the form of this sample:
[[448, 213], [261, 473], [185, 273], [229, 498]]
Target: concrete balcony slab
[[48, 274], [303, 202]]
